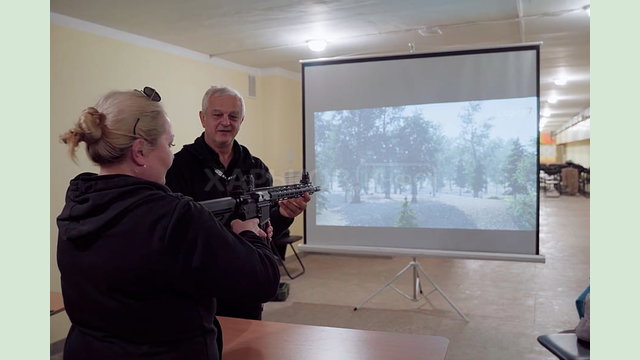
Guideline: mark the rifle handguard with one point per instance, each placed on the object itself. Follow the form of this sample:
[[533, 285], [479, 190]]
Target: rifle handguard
[[257, 203]]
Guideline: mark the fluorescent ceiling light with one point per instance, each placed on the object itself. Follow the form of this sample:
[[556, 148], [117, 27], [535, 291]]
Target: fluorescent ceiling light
[[317, 44], [429, 31]]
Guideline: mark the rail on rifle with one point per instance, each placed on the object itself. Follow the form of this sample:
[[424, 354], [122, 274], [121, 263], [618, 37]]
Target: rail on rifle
[[257, 203]]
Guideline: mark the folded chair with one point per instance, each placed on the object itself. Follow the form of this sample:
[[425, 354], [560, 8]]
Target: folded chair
[[288, 239], [565, 346]]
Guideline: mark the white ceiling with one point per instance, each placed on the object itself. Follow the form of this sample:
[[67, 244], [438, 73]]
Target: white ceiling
[[273, 33]]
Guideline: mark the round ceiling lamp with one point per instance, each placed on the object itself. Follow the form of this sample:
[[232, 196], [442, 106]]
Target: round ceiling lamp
[[317, 44]]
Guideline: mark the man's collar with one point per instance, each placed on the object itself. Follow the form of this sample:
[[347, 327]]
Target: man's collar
[[236, 150]]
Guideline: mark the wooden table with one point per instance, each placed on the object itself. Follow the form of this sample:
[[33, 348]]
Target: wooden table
[[266, 340], [57, 304]]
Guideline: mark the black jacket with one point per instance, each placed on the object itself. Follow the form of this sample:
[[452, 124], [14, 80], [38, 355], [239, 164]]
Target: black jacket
[[197, 172], [141, 267]]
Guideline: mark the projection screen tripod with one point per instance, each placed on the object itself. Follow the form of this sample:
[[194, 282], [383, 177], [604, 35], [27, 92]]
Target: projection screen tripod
[[417, 287]]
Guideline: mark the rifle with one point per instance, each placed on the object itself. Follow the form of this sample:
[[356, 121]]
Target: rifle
[[256, 203]]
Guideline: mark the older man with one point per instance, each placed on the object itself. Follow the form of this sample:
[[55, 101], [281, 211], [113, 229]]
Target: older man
[[215, 165]]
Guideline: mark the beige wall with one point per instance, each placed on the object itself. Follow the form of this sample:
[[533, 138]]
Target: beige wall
[[574, 142], [85, 66], [280, 145], [547, 154], [578, 152]]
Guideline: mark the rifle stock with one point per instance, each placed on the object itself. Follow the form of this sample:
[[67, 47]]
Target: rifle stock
[[257, 203]]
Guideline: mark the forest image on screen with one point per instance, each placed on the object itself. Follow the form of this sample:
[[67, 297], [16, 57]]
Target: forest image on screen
[[458, 165]]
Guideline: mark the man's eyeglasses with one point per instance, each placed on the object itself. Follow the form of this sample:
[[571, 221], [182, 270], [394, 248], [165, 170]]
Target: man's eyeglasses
[[151, 93]]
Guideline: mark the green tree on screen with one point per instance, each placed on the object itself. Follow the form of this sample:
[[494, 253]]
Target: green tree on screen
[[407, 218], [474, 141], [515, 178]]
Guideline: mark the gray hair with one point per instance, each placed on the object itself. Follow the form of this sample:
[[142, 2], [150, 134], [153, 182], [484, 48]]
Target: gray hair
[[221, 91]]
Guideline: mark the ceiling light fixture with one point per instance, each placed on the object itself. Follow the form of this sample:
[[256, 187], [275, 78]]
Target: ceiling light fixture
[[552, 99], [429, 31], [560, 81], [546, 112], [317, 44]]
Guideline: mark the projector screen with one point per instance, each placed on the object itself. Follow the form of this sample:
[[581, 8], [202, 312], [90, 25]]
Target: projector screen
[[430, 154]]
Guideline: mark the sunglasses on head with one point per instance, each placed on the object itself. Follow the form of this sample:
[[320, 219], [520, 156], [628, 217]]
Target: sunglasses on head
[[151, 93]]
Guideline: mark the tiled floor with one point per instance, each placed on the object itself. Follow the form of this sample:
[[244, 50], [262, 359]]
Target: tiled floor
[[508, 303]]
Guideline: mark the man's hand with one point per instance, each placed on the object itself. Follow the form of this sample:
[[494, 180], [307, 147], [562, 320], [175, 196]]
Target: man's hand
[[293, 207]]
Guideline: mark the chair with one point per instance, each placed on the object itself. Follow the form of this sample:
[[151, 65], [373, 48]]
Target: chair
[[550, 181], [565, 346], [285, 240], [584, 182]]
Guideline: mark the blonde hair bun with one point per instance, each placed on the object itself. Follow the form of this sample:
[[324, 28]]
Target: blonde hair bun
[[90, 125]]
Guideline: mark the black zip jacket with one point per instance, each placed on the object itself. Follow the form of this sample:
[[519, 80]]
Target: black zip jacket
[[141, 268]]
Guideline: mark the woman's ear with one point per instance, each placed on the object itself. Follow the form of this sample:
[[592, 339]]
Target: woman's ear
[[137, 152]]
